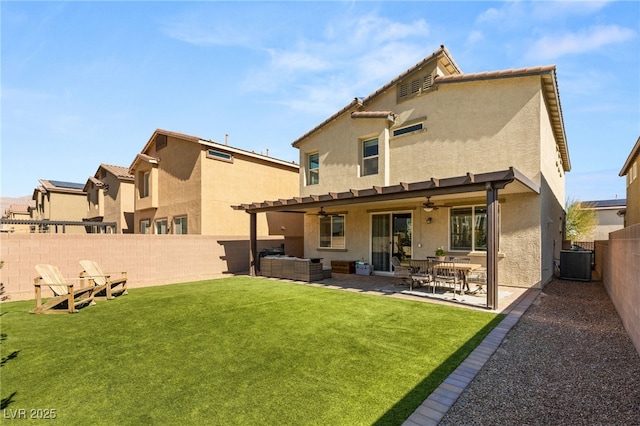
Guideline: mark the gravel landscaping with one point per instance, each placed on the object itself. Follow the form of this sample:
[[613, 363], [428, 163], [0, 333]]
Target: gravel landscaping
[[567, 361]]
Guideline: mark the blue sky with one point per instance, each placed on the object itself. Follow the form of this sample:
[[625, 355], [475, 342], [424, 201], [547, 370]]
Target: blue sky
[[85, 83]]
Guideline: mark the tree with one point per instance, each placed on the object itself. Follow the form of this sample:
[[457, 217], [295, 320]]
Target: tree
[[580, 221]]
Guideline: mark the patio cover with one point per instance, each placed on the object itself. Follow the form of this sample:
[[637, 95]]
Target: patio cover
[[489, 183]]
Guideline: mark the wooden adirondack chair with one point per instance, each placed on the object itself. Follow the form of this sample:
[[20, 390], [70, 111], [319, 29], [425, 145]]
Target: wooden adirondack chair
[[68, 297], [105, 286]]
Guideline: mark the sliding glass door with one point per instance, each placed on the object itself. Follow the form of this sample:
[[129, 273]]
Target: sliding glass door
[[390, 236]]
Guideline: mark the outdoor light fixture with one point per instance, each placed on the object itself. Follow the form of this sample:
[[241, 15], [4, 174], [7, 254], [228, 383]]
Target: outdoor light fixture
[[429, 220]]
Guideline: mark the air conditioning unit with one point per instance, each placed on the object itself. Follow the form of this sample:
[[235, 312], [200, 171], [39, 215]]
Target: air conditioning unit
[[575, 265]]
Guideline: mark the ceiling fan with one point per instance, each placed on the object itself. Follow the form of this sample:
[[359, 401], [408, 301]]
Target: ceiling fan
[[323, 213], [429, 205]]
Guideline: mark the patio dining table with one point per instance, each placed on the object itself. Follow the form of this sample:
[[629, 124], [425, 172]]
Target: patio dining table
[[421, 267]]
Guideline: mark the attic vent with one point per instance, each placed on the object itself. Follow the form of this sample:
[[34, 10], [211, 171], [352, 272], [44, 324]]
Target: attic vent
[[404, 90], [161, 142], [415, 86], [427, 81]]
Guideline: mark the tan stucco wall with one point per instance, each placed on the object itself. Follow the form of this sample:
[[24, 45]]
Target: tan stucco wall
[[520, 245], [465, 133], [62, 206], [204, 189], [477, 127], [632, 216], [245, 180]]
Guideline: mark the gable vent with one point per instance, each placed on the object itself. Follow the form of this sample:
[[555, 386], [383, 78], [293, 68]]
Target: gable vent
[[427, 82], [417, 86]]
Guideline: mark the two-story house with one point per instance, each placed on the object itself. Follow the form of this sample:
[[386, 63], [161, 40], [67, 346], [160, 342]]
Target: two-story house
[[184, 184], [474, 163], [17, 212], [630, 170], [59, 201], [110, 199], [609, 217]]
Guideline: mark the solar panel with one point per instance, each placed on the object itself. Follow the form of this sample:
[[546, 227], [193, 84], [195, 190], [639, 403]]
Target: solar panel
[[72, 185]]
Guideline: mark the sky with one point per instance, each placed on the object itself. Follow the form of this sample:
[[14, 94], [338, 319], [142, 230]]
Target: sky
[[85, 83]]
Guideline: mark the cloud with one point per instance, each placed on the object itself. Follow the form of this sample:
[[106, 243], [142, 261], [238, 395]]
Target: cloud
[[551, 47], [349, 58]]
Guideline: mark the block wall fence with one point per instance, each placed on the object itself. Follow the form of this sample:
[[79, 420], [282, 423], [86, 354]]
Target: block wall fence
[[618, 263], [148, 259]]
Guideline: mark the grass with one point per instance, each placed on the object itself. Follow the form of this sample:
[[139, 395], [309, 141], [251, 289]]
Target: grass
[[234, 351]]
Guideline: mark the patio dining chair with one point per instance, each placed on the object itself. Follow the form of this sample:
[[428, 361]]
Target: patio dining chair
[[446, 275], [401, 271]]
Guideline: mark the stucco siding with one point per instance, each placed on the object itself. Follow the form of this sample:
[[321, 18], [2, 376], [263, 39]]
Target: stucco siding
[[243, 180], [475, 127], [632, 216]]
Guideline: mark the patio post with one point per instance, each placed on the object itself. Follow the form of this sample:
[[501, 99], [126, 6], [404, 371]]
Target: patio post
[[493, 238], [253, 245]]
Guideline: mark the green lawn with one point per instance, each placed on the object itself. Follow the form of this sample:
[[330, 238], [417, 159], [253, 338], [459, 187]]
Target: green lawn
[[233, 351]]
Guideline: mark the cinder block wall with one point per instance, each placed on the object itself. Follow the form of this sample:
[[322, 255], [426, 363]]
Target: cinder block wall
[[147, 259], [618, 262]]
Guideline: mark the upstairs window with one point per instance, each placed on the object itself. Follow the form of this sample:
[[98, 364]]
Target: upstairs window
[[144, 184], [332, 232], [219, 155], [408, 129], [313, 167], [370, 157]]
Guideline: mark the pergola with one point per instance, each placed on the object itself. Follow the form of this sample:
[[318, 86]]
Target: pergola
[[510, 180], [59, 223]]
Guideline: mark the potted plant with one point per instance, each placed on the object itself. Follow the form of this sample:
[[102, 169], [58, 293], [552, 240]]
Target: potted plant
[[440, 253]]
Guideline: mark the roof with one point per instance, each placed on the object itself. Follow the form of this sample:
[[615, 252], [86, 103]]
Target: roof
[[17, 208], [120, 172], [208, 143], [60, 186], [442, 55], [604, 204], [547, 73], [453, 185], [635, 151]]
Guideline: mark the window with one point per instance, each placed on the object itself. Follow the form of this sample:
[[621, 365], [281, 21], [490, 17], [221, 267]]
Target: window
[[144, 184], [469, 228], [370, 157], [219, 155], [180, 225], [161, 226], [332, 232], [407, 129], [313, 166], [145, 226]]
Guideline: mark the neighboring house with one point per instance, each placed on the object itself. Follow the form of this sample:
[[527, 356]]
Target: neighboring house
[[17, 212], [186, 185], [62, 202], [110, 199], [609, 217], [630, 170], [489, 149]]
